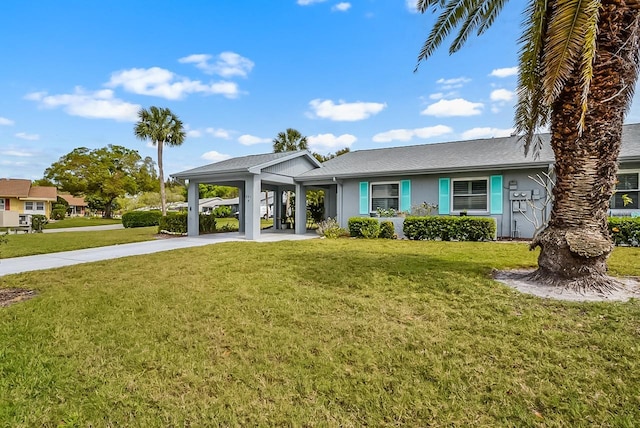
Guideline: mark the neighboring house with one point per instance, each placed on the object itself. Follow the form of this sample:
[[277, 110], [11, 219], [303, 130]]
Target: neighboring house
[[77, 206], [208, 205], [487, 177], [19, 199]]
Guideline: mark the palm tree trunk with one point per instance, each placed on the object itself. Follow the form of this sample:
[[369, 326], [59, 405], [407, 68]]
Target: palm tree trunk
[[163, 196], [576, 244]]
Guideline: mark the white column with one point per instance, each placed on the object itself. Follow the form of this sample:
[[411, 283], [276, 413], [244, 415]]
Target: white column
[[252, 207], [241, 208], [277, 207], [193, 203], [301, 210]]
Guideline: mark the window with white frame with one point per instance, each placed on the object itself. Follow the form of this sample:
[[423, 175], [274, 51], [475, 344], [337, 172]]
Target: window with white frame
[[34, 206], [629, 185], [385, 196], [470, 195], [2, 204]]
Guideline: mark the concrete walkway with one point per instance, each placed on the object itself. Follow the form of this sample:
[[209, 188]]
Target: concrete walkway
[[67, 258]]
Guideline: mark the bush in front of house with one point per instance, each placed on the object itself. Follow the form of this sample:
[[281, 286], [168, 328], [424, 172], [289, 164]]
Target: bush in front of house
[[176, 223], [38, 222], [223, 211], [363, 227], [448, 228], [330, 228], [625, 231], [387, 230], [58, 212], [141, 218]]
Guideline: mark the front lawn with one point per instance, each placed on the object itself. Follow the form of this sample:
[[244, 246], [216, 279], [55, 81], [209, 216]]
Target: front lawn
[[27, 244], [315, 333], [81, 222]]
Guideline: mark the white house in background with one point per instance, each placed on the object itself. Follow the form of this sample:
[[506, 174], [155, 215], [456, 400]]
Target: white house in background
[[208, 205], [486, 177]]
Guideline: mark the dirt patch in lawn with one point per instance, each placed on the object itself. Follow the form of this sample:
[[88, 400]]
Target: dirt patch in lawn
[[9, 296], [629, 289]]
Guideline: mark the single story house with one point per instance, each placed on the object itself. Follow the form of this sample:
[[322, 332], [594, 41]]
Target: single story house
[[19, 198], [484, 177], [77, 205], [208, 205]]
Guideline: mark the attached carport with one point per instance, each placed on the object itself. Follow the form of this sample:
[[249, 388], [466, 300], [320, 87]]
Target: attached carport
[[253, 175]]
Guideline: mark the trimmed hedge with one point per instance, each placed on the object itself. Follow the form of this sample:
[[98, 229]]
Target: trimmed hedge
[[177, 223], [625, 230], [447, 228], [363, 227], [141, 218], [387, 230]]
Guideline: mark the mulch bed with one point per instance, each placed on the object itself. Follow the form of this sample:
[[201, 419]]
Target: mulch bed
[[9, 296]]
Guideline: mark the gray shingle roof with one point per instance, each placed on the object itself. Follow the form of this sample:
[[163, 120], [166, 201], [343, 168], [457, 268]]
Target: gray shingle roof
[[240, 164], [481, 154]]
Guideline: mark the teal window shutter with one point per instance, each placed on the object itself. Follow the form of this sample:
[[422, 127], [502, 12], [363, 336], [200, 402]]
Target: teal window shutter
[[496, 194], [405, 195], [364, 197], [443, 196]]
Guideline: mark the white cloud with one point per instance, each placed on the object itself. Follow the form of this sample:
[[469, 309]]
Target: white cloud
[[330, 141], [504, 72], [408, 134], [436, 96], [502, 95], [228, 64], [6, 122], [163, 83], [456, 107], [214, 156], [343, 111], [454, 83], [412, 5], [194, 133], [17, 153], [475, 133], [29, 137], [250, 140], [309, 2], [93, 105], [341, 7], [218, 133]]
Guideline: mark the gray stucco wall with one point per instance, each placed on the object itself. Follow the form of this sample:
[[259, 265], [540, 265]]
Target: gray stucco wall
[[424, 188]]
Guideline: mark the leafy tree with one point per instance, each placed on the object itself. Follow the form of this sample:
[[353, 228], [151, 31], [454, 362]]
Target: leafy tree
[[324, 158], [101, 175], [160, 126], [213, 191], [290, 140], [578, 69]]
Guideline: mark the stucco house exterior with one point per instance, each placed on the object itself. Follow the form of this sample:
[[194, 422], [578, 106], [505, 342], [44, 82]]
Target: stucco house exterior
[[77, 205], [485, 177], [19, 198]]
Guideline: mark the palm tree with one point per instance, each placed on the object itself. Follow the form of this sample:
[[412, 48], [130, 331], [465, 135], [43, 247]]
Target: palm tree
[[162, 127], [290, 140], [578, 68]]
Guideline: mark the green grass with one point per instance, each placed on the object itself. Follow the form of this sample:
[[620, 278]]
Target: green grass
[[24, 244], [82, 222], [233, 222], [315, 333]]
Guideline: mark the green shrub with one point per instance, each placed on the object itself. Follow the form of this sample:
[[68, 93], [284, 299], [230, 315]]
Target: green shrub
[[363, 227], [222, 211], [141, 218], [330, 228], [625, 231], [447, 228], [387, 230], [58, 212], [37, 222], [177, 223]]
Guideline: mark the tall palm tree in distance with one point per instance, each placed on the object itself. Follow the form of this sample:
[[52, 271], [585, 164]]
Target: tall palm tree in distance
[[160, 126], [290, 140], [578, 68]]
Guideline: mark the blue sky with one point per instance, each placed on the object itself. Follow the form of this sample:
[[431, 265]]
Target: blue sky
[[236, 73]]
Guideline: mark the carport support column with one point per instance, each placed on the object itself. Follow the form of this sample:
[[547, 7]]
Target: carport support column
[[252, 190], [301, 210], [193, 216]]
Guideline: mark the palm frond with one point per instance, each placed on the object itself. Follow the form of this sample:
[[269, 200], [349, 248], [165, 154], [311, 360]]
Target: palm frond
[[491, 9], [586, 60], [565, 42]]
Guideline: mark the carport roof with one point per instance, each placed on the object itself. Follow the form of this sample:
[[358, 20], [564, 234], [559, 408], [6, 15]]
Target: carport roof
[[244, 164]]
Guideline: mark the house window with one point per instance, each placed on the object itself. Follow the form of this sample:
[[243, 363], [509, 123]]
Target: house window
[[470, 195], [385, 196], [628, 184], [2, 204], [34, 206]]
